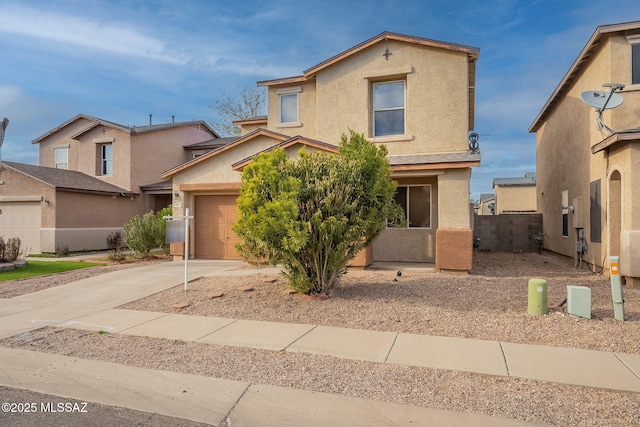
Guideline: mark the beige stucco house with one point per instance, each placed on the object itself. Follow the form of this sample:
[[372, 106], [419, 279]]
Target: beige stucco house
[[515, 195], [414, 95], [588, 185], [94, 175], [486, 204]]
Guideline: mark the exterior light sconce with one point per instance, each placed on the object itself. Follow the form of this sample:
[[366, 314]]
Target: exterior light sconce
[[176, 195]]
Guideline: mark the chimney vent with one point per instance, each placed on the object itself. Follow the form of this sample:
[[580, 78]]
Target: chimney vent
[[150, 115]]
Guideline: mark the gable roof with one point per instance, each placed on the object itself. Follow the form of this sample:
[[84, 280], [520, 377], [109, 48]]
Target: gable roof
[[132, 130], [472, 53], [258, 132], [67, 180], [286, 144], [599, 35]]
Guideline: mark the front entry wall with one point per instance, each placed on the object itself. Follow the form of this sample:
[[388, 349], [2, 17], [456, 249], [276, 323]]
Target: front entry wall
[[214, 217]]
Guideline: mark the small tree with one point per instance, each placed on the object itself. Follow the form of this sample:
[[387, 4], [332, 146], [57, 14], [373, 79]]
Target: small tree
[[245, 103], [147, 232], [314, 215]]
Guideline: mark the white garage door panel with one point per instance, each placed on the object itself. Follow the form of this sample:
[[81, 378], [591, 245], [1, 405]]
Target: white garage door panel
[[21, 219]]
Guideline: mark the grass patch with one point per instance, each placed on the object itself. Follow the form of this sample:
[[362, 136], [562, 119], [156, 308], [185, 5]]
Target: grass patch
[[40, 268]]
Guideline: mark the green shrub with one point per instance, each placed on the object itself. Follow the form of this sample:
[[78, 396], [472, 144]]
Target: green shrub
[[315, 214], [147, 232]]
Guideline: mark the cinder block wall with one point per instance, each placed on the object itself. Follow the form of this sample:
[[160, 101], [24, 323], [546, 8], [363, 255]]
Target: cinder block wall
[[509, 232]]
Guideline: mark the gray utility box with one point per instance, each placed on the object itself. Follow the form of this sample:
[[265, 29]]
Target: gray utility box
[[579, 301]]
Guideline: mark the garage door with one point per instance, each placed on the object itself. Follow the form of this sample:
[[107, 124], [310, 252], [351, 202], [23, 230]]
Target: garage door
[[214, 217], [21, 219]]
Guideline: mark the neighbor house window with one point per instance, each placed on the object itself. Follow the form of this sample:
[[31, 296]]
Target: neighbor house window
[[388, 108], [565, 213], [289, 108], [106, 159], [416, 203], [595, 211], [61, 155], [635, 63]]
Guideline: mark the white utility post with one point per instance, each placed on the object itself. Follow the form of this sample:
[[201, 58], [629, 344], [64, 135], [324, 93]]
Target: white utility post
[[186, 219]]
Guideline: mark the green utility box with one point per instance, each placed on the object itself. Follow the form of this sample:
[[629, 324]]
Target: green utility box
[[579, 301], [538, 297]]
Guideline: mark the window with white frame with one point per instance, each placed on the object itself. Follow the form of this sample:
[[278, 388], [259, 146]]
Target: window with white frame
[[61, 157], [106, 159], [289, 108], [388, 108], [415, 200]]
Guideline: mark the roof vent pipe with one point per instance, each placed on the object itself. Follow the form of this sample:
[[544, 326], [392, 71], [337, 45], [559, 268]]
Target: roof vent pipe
[[150, 115], [173, 118]]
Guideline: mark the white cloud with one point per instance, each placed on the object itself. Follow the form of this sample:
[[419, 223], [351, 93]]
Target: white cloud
[[85, 32]]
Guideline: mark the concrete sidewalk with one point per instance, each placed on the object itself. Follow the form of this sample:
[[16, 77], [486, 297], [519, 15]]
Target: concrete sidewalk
[[89, 304]]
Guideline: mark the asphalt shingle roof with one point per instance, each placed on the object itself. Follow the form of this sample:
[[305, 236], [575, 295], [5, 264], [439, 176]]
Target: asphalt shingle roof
[[70, 180]]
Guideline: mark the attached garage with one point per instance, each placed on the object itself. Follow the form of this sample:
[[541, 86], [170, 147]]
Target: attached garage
[[21, 218], [214, 217]]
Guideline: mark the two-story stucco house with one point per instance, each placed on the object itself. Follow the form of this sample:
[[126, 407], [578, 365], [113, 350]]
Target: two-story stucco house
[[588, 185], [94, 175], [414, 95]]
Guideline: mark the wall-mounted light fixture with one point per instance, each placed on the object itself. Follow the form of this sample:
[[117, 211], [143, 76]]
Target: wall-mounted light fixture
[[176, 195]]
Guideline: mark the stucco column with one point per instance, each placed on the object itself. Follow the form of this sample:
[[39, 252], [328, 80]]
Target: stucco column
[[454, 236]]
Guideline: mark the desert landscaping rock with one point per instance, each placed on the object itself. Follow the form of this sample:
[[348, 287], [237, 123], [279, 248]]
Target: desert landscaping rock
[[179, 305], [213, 295], [488, 304]]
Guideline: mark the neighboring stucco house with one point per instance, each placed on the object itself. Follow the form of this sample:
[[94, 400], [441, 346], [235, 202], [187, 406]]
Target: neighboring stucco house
[[94, 175], [414, 95], [515, 195], [588, 177], [487, 204]]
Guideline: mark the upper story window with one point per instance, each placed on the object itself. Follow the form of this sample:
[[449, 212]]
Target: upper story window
[[61, 157], [388, 108], [635, 63], [106, 159], [289, 108], [416, 203]]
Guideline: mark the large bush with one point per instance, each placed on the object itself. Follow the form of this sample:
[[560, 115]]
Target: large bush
[[147, 232], [315, 214]]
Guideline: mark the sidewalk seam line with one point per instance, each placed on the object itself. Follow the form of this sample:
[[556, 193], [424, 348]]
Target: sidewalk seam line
[[228, 415], [300, 337], [626, 366], [393, 344], [143, 323], [216, 330], [504, 357]]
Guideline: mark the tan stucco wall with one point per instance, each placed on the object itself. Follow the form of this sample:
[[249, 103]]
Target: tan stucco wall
[[80, 210], [436, 98], [453, 199], [565, 161], [306, 124], [515, 198]]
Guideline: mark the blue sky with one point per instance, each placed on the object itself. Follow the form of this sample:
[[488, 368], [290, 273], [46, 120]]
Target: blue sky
[[122, 59]]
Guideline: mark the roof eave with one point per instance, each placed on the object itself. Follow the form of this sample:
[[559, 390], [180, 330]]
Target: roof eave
[[584, 55]]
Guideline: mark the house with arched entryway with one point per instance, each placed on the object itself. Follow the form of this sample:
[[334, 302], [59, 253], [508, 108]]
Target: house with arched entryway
[[588, 161]]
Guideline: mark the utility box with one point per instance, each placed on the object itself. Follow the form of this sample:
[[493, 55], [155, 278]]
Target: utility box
[[538, 297], [579, 301]]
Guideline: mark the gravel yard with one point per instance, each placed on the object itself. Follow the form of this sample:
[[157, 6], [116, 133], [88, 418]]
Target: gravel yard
[[490, 303]]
